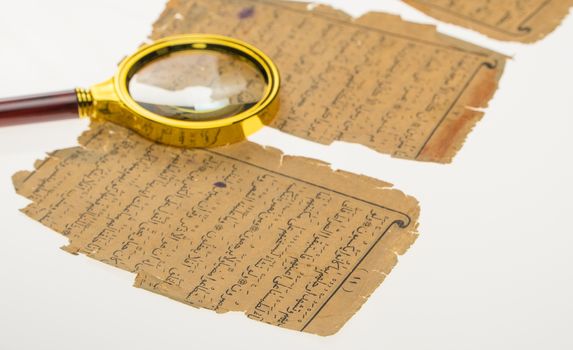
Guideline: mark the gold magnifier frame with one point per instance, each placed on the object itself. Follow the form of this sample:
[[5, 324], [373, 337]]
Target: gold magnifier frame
[[112, 101]]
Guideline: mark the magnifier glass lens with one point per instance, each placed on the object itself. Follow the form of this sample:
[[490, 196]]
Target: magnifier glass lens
[[197, 85]]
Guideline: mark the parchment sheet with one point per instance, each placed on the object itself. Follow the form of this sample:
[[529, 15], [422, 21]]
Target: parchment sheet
[[243, 228], [396, 87], [524, 21]]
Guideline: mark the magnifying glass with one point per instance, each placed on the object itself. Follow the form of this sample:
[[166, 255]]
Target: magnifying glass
[[193, 90]]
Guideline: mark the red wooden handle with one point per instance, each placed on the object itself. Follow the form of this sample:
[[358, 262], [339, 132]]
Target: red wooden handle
[[41, 107]]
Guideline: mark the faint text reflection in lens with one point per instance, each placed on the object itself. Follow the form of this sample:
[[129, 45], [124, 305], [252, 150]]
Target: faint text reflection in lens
[[197, 85]]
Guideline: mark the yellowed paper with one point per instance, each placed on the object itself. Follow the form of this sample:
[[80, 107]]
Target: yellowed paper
[[243, 228], [397, 87], [512, 20]]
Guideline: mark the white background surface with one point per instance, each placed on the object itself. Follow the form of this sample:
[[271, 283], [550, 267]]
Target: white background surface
[[492, 267]]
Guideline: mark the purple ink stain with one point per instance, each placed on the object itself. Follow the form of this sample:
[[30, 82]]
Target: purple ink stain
[[220, 184], [247, 12]]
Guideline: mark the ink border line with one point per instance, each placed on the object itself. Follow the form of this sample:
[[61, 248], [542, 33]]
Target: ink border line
[[522, 28]]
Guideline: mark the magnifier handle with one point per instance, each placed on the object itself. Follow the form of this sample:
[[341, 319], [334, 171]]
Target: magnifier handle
[[40, 107]]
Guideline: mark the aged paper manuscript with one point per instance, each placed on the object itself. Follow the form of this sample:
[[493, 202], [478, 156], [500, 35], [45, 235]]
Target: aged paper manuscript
[[511, 20], [283, 239], [396, 87]]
